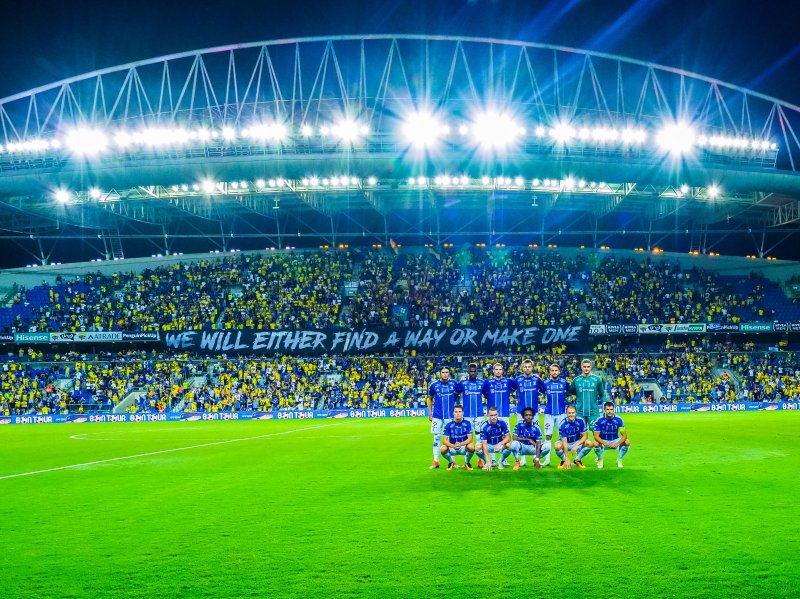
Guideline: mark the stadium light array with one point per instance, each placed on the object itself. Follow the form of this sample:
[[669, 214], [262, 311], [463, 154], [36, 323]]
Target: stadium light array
[[496, 130], [676, 138], [348, 130], [273, 132], [491, 129], [422, 129], [86, 141]]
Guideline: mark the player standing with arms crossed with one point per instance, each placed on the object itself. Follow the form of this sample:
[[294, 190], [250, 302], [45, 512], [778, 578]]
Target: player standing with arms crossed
[[441, 399], [589, 391], [555, 404], [529, 388], [471, 392], [497, 391]]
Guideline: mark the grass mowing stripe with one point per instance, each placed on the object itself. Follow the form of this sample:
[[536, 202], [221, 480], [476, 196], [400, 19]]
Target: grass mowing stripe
[[142, 455]]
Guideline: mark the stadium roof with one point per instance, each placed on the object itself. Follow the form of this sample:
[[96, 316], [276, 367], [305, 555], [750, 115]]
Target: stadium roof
[[405, 138]]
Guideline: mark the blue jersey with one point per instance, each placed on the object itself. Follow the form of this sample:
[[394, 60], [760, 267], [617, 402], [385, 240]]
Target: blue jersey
[[608, 427], [444, 398], [556, 393], [498, 394], [494, 433], [471, 392], [528, 434], [528, 390], [572, 431], [458, 432]]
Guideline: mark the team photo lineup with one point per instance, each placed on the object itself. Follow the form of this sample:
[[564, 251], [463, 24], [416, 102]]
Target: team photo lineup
[[480, 423], [322, 299]]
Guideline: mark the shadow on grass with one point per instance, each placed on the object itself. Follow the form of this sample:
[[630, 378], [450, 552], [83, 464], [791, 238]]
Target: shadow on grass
[[546, 479]]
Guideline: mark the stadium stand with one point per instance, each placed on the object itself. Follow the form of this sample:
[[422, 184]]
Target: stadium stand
[[296, 290], [164, 383]]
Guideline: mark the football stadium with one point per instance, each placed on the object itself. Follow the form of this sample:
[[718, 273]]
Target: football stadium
[[399, 315]]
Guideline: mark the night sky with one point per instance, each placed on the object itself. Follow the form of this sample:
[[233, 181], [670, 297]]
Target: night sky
[[752, 44]]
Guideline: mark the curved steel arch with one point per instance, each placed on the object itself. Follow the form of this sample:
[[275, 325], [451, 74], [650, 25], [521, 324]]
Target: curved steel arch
[[305, 77], [413, 37]]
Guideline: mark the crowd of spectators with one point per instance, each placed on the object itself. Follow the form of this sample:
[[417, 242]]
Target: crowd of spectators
[[514, 287], [766, 376], [160, 383]]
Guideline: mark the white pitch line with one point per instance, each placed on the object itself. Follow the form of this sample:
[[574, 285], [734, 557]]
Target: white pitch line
[[174, 449]]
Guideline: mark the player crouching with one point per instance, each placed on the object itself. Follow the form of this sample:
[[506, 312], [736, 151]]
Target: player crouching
[[528, 440], [456, 439], [495, 437], [574, 439], [609, 433]]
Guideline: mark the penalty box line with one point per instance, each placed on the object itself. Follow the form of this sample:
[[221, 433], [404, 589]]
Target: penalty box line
[[163, 451]]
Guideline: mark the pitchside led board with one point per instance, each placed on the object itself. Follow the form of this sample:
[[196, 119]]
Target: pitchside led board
[[366, 413]]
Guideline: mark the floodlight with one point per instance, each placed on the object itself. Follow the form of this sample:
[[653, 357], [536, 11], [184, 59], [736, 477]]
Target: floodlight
[[260, 183], [492, 129], [562, 132], [86, 141], [62, 196], [676, 138], [268, 132], [306, 131], [208, 186], [684, 188], [372, 181], [347, 130], [228, 133], [714, 191], [95, 193], [422, 129]]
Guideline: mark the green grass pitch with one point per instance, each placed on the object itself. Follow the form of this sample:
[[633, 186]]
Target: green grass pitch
[[707, 505]]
